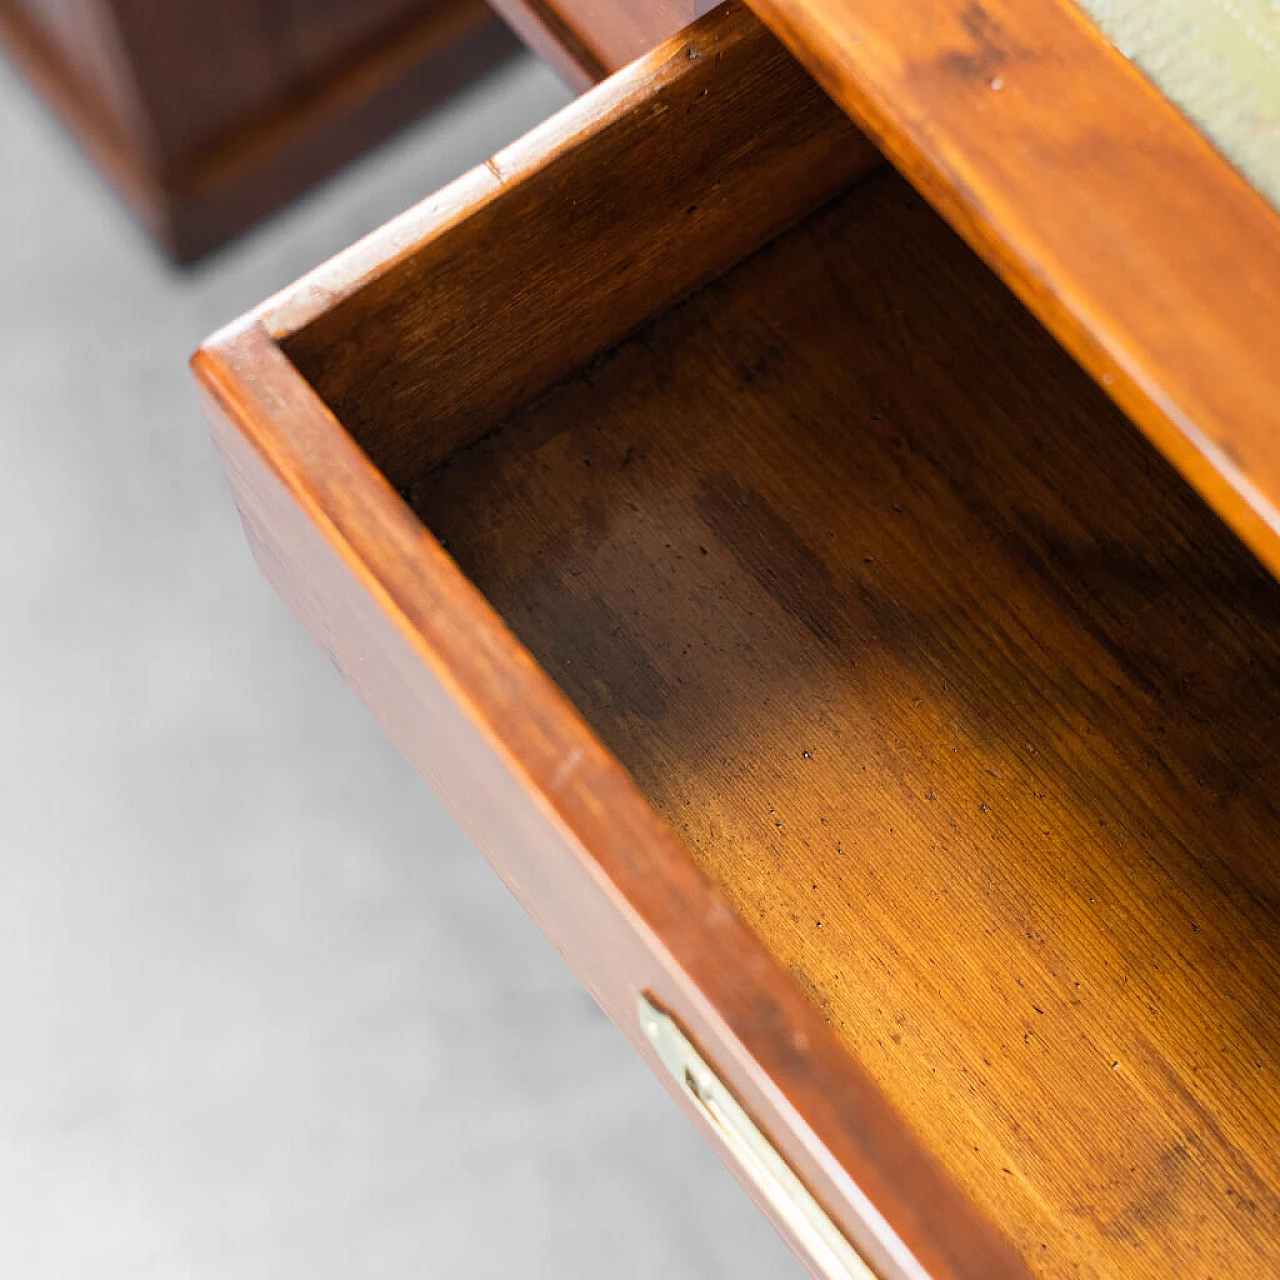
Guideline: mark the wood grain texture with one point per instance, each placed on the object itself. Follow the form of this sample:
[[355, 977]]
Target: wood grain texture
[[977, 735], [561, 820], [198, 162], [563, 824], [1147, 255], [667, 196]]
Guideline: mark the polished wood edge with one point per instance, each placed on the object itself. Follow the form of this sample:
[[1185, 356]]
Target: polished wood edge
[[1145, 253], [196, 205], [383, 250], [786, 1065]]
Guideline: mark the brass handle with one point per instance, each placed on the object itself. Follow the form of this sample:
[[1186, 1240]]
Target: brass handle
[[833, 1255]]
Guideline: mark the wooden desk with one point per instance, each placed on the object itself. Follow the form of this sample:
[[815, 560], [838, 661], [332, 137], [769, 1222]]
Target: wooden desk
[[880, 723], [207, 117]]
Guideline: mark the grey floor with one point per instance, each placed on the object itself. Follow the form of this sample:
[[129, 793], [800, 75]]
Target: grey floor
[[263, 1011]]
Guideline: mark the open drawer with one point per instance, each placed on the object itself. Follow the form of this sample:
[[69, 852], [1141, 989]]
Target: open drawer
[[819, 655]]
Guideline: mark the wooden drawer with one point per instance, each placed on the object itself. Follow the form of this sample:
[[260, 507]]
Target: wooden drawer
[[818, 654]]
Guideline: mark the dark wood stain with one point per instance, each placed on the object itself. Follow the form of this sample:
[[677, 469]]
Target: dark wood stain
[[986, 56], [610, 663], [779, 560]]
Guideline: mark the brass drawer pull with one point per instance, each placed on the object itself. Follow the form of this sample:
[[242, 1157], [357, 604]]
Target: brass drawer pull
[[830, 1252]]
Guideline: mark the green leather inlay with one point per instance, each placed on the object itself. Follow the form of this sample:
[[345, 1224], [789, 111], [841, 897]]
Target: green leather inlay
[[1218, 61]]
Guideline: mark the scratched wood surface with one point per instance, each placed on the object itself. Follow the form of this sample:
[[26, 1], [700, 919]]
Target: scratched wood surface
[[960, 695]]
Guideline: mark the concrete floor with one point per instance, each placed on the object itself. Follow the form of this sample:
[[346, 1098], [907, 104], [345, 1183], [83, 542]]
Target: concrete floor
[[263, 1010]]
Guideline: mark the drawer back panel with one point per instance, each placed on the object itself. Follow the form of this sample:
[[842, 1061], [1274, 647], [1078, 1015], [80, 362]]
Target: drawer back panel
[[575, 246]]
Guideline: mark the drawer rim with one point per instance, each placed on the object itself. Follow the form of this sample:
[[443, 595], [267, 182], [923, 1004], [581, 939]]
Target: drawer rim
[[818, 1105]]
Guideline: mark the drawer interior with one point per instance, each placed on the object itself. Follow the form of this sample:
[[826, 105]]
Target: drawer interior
[[940, 672]]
